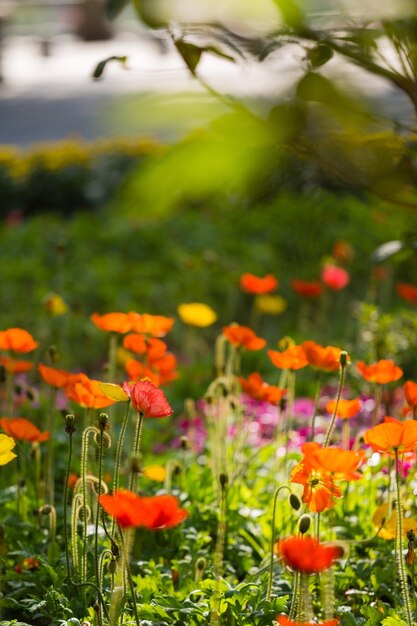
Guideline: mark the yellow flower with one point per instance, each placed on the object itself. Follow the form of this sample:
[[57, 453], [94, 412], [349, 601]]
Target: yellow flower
[[387, 526], [6, 446], [270, 305], [54, 304], [197, 314], [155, 472]]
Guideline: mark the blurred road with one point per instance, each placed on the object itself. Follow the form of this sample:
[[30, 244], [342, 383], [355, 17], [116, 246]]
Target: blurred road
[[46, 98]]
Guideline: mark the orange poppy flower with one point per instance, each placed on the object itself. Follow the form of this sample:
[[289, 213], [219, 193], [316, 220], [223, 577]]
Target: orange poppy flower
[[307, 555], [258, 389], [407, 292], [155, 513], [393, 436], [147, 399], [152, 325], [17, 340], [87, 393], [243, 337], [293, 358], [307, 289], [166, 367], [283, 620], [55, 377], [113, 322], [345, 409], [410, 392], [15, 366], [136, 370], [324, 358], [383, 371], [257, 285], [135, 342], [318, 471], [22, 429]]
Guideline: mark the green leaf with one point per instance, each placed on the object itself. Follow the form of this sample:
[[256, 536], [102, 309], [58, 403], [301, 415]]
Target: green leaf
[[190, 53], [100, 66], [393, 621], [319, 55], [114, 7], [291, 13]]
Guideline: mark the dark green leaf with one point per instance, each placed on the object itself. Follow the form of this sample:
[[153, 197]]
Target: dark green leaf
[[100, 66], [190, 53], [114, 7], [319, 55]]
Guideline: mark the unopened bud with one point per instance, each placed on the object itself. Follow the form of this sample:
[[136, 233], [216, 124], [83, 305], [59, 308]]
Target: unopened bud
[[45, 510], [201, 564], [283, 404], [223, 480], [103, 422], [295, 502], [115, 549], [304, 524], [102, 438], [69, 424], [135, 464], [343, 358], [53, 354], [112, 566], [184, 443]]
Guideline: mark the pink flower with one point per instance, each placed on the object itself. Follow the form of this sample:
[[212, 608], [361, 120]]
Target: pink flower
[[335, 278], [148, 399]]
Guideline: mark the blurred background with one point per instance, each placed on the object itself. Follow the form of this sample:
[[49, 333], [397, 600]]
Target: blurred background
[[216, 138]]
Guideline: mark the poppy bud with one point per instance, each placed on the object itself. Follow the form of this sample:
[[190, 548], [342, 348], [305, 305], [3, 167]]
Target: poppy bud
[[304, 524], [102, 438], [223, 480], [135, 464], [201, 564], [103, 422], [184, 443], [295, 502], [115, 549], [53, 354], [69, 424], [283, 404], [343, 358], [45, 510], [112, 566]]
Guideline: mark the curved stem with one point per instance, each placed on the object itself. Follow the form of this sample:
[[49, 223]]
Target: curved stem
[[129, 576], [339, 393], [400, 555], [271, 564]]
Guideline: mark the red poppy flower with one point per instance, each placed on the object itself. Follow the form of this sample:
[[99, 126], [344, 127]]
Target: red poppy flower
[[283, 620], [393, 436], [335, 278], [258, 389], [15, 366], [407, 292], [113, 322], [312, 289], [55, 377], [257, 285], [87, 393], [381, 372], [345, 409], [22, 429], [307, 555], [17, 340], [293, 358], [243, 337], [323, 358], [147, 399], [155, 513]]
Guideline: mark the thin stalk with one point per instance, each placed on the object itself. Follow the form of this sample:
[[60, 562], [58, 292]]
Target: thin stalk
[[112, 358], [339, 393], [50, 465], [136, 449], [119, 451], [65, 503], [295, 596], [271, 564], [316, 404], [400, 555], [346, 434], [129, 576], [84, 462], [100, 472], [378, 399]]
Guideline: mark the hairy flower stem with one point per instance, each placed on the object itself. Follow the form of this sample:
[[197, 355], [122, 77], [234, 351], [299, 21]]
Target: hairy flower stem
[[400, 555], [50, 465], [125, 557], [100, 472], [339, 393], [219, 550], [316, 404], [271, 563], [84, 463], [65, 505], [295, 596], [378, 399], [136, 450], [119, 451]]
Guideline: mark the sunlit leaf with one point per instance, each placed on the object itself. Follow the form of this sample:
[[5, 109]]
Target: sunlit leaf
[[114, 392]]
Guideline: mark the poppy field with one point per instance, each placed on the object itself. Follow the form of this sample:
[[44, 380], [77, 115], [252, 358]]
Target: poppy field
[[283, 493]]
